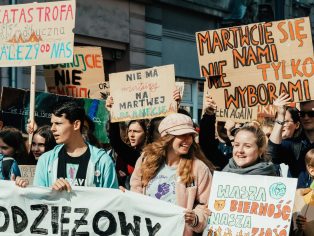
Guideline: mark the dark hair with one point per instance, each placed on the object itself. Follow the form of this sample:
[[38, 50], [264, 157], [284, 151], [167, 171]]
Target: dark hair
[[90, 123], [13, 138], [71, 110], [294, 112], [45, 132], [143, 124], [152, 128], [305, 103], [184, 112]]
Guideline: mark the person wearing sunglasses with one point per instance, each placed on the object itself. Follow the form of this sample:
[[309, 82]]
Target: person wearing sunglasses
[[292, 151]]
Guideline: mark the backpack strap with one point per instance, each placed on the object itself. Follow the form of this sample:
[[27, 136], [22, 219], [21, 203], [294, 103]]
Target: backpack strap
[[7, 163]]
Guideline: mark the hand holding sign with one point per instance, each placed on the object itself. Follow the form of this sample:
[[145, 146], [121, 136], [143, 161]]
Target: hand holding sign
[[281, 102], [21, 182], [109, 102], [210, 106], [61, 184]]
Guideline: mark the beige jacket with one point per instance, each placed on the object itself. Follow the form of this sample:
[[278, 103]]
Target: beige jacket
[[195, 197]]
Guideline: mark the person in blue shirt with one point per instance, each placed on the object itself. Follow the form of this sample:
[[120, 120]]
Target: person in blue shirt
[[73, 162], [12, 151]]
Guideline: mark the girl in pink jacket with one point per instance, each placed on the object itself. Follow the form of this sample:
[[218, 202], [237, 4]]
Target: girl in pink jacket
[[173, 169]]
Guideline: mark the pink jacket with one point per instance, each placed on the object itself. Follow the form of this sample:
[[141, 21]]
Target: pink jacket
[[195, 197]]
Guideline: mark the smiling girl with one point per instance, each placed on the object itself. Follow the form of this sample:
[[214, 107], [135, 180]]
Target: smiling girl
[[173, 169], [249, 153]]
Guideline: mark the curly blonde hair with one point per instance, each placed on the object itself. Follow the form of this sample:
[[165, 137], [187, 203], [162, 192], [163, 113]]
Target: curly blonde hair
[[155, 155]]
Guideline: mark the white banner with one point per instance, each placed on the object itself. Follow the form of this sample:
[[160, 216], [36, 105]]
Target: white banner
[[85, 211], [37, 33], [252, 205]]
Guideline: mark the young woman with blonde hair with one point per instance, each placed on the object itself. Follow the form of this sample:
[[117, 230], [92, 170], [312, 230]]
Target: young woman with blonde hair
[[173, 169]]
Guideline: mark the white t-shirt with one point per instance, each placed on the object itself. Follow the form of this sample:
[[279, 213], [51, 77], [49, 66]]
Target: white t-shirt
[[163, 185]]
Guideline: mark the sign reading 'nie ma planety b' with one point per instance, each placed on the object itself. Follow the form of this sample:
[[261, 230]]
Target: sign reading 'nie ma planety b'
[[251, 65], [37, 33]]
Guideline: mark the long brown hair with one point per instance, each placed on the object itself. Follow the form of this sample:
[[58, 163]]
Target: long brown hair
[[155, 155]]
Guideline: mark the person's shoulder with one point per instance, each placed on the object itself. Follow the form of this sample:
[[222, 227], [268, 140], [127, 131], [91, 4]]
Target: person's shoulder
[[200, 166], [99, 154], [51, 154]]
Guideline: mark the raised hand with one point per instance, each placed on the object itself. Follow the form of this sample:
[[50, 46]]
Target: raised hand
[[176, 95], [281, 102], [31, 126], [210, 105], [109, 102]]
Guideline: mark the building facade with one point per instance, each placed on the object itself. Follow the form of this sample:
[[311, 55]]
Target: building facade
[[145, 33]]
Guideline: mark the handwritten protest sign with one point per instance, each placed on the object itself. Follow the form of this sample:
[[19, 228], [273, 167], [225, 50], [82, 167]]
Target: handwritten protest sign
[[15, 110], [254, 206], [81, 78], [85, 211], [142, 93], [251, 65], [37, 33], [180, 87], [104, 89], [28, 172]]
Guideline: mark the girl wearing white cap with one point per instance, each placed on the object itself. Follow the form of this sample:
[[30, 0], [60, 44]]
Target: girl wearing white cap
[[173, 169]]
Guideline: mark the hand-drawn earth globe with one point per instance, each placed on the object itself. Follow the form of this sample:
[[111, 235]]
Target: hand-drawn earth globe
[[277, 190]]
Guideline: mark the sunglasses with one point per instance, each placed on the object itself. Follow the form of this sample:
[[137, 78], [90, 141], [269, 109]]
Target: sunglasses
[[309, 113]]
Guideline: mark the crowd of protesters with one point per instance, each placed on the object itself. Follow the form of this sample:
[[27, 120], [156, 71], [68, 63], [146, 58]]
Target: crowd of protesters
[[163, 158]]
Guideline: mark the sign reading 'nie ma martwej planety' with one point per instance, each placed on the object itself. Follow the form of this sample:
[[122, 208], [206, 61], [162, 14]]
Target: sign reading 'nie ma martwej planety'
[[37, 33], [251, 65], [142, 94]]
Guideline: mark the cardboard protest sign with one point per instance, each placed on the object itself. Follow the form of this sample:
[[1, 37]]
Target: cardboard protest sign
[[251, 65], [15, 110], [258, 205], [180, 86], [28, 172], [85, 211], [304, 205], [37, 33], [142, 94], [81, 78], [266, 111], [104, 90]]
